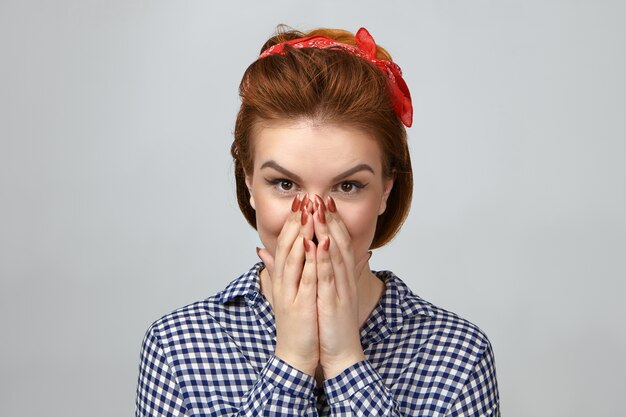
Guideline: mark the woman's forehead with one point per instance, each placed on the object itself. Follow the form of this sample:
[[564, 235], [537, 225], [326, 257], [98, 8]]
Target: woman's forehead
[[304, 142]]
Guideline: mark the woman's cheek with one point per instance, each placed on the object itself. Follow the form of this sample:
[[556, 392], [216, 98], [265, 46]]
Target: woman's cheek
[[361, 224], [271, 216]]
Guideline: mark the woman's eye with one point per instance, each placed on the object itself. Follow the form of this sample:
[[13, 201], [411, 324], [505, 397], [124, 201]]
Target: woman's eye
[[285, 185], [350, 187], [346, 187], [281, 185]]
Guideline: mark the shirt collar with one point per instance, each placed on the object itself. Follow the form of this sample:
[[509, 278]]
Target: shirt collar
[[398, 301], [248, 285], [397, 304]]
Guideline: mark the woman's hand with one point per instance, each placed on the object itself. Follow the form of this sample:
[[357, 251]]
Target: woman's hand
[[337, 295], [294, 289]]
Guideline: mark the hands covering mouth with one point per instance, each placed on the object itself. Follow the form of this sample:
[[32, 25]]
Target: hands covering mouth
[[314, 289]]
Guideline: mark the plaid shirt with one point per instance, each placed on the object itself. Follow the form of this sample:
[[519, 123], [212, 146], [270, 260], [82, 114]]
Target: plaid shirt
[[215, 358]]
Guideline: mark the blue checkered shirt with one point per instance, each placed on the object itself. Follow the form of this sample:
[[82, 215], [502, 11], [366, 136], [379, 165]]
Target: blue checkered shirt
[[216, 358]]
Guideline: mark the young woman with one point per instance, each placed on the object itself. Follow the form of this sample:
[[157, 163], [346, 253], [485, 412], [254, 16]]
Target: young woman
[[324, 175]]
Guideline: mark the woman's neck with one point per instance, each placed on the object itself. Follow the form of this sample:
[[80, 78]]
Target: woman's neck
[[370, 289]]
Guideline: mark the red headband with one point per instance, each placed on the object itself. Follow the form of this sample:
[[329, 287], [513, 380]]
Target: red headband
[[366, 49]]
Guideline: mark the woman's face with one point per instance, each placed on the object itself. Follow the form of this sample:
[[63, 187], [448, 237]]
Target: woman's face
[[299, 157]]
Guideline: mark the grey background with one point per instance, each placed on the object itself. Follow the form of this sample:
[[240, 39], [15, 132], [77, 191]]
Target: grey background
[[117, 198]]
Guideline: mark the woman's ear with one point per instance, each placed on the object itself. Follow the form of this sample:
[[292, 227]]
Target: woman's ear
[[387, 187], [249, 185]]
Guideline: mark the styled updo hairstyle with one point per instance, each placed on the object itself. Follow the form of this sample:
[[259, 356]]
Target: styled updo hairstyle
[[327, 86]]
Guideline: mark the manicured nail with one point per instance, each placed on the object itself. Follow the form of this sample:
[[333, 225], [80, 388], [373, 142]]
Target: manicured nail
[[320, 202], [258, 252], [304, 203], [305, 217], [326, 244], [307, 245], [331, 205], [296, 204], [321, 213]]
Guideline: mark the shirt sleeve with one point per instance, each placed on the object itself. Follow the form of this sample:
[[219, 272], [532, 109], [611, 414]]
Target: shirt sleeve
[[359, 391], [280, 391], [479, 396], [157, 391]]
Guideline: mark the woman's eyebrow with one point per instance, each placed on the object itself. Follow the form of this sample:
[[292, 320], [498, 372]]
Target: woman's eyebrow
[[273, 164], [353, 170]]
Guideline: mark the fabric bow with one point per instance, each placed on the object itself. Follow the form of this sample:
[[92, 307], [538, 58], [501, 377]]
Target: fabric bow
[[366, 49]]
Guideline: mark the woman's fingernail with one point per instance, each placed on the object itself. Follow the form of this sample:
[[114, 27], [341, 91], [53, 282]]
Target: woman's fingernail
[[296, 204], [321, 214], [331, 205], [370, 255], [320, 203], [326, 243], [258, 252], [307, 245], [304, 203], [305, 217]]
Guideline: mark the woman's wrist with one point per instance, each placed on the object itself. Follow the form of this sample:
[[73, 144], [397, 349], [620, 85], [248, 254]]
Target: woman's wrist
[[338, 366], [302, 366]]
